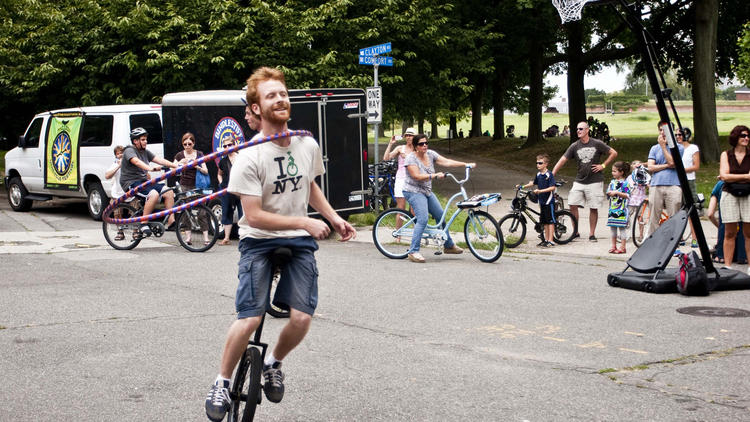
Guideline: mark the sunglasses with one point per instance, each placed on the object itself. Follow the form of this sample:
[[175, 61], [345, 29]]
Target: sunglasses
[[227, 145], [419, 144], [744, 135], [539, 163], [678, 134], [187, 143], [580, 128]]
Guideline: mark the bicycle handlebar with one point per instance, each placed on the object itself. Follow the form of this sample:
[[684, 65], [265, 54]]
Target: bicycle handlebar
[[460, 182]]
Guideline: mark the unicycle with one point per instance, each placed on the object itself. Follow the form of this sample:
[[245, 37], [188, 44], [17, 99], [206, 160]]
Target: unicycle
[[246, 392]]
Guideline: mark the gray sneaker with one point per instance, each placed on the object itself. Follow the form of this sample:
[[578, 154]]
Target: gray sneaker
[[273, 382], [218, 402]]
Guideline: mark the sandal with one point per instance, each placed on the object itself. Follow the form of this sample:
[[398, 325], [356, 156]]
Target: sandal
[[206, 242], [718, 260], [613, 250], [620, 251], [120, 235], [224, 242]]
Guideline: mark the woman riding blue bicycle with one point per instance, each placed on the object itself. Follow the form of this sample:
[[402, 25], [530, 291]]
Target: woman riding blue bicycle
[[420, 170]]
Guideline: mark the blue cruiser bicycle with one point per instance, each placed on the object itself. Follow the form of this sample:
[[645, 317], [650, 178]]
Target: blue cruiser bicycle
[[393, 229]]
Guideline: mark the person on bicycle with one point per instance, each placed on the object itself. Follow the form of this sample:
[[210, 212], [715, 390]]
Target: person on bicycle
[[401, 151], [420, 170], [136, 163], [275, 182]]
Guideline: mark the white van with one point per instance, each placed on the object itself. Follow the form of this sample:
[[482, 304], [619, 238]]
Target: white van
[[64, 153]]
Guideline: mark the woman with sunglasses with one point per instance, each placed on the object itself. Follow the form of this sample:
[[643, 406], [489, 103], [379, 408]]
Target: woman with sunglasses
[[229, 202], [734, 170], [188, 154], [187, 177], [420, 171]]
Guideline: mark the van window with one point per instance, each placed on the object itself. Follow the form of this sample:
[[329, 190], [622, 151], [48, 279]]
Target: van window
[[151, 123], [96, 131], [34, 133]]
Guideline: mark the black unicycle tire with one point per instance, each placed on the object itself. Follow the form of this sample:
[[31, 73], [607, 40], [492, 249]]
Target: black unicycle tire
[[246, 388]]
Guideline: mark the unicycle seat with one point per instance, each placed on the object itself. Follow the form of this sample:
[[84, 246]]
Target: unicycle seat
[[280, 256]]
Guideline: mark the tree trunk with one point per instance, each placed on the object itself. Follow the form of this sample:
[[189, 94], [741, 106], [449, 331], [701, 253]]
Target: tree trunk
[[452, 121], [476, 107], [536, 87], [704, 79], [576, 74], [433, 128], [498, 103]]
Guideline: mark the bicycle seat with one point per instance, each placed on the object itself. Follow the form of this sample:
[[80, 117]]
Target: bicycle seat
[[281, 256]]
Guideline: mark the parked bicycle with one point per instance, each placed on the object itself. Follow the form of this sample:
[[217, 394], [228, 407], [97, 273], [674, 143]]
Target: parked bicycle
[[513, 225], [196, 227], [386, 182], [394, 228], [559, 202], [641, 222], [246, 393]]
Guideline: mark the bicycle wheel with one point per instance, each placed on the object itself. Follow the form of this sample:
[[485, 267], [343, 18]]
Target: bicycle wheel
[[272, 310], [483, 237], [122, 236], [513, 229], [392, 233], [566, 226], [246, 387], [194, 225], [641, 222]]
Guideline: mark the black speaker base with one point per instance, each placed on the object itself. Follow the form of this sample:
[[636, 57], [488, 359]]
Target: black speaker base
[[664, 281]]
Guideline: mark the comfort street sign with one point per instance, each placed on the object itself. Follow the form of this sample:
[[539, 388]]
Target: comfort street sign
[[374, 105], [373, 60]]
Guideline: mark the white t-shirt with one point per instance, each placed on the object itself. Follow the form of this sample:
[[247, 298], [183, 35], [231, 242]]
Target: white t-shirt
[[687, 159], [281, 177], [116, 191]]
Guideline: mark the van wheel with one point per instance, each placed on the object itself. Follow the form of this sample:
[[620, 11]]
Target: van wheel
[[96, 200], [17, 195]]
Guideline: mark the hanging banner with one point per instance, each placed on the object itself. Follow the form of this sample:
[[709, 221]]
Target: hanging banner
[[61, 155]]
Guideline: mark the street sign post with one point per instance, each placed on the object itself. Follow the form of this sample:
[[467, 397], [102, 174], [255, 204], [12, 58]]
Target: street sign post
[[372, 56], [374, 105]]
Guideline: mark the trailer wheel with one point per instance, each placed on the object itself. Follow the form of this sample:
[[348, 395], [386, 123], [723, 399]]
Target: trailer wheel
[[17, 195], [96, 199]]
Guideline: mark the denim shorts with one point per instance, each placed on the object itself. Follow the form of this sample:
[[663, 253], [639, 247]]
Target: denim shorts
[[158, 187], [298, 287]]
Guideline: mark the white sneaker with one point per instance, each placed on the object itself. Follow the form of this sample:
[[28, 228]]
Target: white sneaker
[[416, 257]]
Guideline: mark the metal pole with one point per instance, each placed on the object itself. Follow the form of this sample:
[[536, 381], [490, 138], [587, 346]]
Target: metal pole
[[375, 160], [649, 58]]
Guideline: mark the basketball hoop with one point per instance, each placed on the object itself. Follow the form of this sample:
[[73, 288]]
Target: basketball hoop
[[569, 10]]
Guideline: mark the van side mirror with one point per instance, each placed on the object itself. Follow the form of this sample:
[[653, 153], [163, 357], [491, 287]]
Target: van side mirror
[[21, 141]]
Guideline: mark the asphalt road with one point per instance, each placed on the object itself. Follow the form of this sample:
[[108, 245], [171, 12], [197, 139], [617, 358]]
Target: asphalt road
[[90, 333]]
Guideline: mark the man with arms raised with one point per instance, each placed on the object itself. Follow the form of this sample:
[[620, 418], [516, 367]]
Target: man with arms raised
[[275, 182], [588, 187]]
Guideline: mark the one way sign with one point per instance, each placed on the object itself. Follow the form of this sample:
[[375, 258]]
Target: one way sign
[[374, 105]]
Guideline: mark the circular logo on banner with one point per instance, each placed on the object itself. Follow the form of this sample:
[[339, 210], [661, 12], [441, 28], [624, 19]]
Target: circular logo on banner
[[227, 128], [61, 153]]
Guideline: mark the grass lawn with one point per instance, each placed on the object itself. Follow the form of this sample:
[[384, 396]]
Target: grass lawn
[[624, 125]]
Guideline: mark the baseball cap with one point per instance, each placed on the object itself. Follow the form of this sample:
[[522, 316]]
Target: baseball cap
[[410, 131]]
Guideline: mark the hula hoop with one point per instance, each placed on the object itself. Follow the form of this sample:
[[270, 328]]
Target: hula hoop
[[161, 214]]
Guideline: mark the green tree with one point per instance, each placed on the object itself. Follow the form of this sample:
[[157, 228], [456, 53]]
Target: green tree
[[743, 46]]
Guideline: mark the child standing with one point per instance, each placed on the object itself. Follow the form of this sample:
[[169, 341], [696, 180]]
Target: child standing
[[638, 182], [545, 183], [617, 217]]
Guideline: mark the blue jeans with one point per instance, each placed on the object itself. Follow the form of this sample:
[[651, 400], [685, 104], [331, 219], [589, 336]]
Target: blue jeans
[[421, 204], [228, 203]]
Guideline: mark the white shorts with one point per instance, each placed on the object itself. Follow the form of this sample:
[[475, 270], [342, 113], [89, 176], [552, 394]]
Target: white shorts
[[734, 209], [398, 187], [591, 195]]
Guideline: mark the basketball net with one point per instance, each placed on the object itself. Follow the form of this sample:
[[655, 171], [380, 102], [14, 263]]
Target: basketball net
[[569, 10]]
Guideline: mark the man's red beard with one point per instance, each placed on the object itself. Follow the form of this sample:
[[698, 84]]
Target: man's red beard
[[272, 116]]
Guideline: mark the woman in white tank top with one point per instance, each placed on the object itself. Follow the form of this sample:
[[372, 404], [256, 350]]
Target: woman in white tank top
[[401, 152]]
